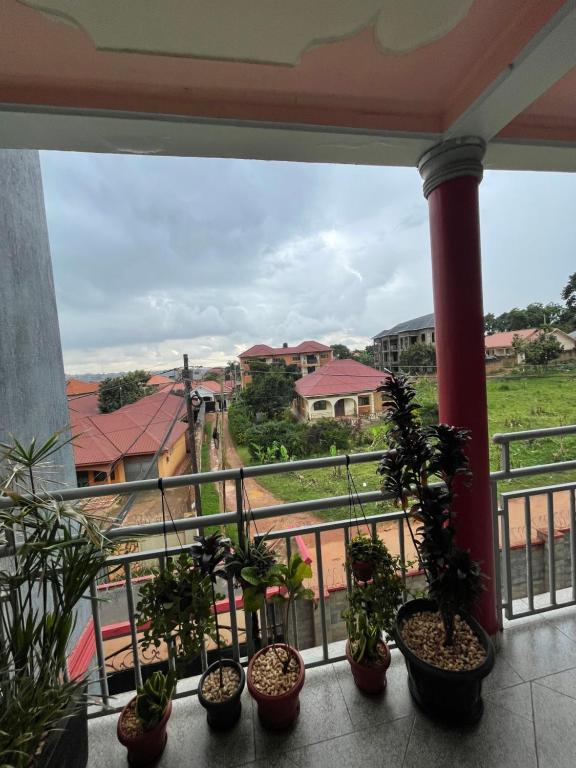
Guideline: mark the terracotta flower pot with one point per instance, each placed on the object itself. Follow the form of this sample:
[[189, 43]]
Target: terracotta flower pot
[[223, 715], [146, 748], [369, 678], [278, 712], [363, 571]]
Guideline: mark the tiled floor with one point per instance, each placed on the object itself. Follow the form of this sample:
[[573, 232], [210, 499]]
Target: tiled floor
[[529, 718]]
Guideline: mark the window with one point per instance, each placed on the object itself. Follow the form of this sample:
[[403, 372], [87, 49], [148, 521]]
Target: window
[[311, 369], [413, 339], [422, 337], [433, 339], [363, 400], [295, 358], [100, 477], [324, 355], [320, 405], [82, 479]]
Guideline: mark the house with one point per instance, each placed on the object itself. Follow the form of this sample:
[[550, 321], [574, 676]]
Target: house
[[130, 443], [306, 356], [500, 345], [159, 381], [217, 392], [340, 388], [388, 345], [78, 387]]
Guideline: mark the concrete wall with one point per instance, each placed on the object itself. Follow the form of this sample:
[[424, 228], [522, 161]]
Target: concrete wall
[[32, 388]]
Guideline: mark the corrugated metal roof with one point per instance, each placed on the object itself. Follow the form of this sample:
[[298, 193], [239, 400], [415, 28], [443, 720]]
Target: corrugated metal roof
[[135, 429], [416, 324], [340, 377], [263, 350], [506, 338], [79, 387]]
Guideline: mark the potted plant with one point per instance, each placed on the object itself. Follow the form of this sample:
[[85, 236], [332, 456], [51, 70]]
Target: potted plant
[[220, 687], [52, 554], [369, 622], [276, 672], [178, 608], [447, 652], [364, 555], [259, 556], [142, 723]]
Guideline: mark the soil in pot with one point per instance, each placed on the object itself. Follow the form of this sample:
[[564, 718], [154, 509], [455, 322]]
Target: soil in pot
[[370, 678], [445, 682], [144, 747], [222, 701], [276, 691]]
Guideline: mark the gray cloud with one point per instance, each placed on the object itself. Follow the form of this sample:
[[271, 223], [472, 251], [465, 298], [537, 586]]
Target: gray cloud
[[155, 256]]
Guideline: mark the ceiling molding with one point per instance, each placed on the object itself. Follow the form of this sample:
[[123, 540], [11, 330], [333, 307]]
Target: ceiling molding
[[257, 31], [549, 55]]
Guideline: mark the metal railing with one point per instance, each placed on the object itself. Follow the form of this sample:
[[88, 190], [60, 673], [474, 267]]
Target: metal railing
[[539, 563], [241, 642]]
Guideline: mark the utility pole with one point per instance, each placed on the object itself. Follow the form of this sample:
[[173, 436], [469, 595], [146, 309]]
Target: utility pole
[[222, 450], [191, 432]]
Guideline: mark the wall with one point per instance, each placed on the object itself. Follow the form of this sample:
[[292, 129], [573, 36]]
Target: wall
[[32, 387], [169, 461]]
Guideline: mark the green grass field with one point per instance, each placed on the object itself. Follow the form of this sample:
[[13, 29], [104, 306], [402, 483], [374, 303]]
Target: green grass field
[[514, 404]]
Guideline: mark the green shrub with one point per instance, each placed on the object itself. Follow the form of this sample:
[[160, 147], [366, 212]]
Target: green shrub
[[239, 422], [276, 433], [324, 433]]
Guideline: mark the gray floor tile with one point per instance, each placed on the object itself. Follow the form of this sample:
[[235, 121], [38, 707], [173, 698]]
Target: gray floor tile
[[500, 740], [190, 741], [517, 700], [383, 747], [554, 717], [562, 682], [364, 710], [537, 649], [502, 676], [323, 715]]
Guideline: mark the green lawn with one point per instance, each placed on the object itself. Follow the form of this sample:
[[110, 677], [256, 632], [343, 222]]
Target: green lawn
[[514, 403]]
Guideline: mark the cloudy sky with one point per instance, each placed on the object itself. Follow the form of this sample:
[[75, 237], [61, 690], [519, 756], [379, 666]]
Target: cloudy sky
[[154, 256]]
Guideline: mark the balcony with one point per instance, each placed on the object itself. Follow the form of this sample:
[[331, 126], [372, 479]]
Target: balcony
[[530, 711], [529, 697]]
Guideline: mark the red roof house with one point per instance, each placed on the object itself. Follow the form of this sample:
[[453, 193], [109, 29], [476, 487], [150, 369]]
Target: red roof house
[[500, 344], [306, 356], [79, 387], [340, 388]]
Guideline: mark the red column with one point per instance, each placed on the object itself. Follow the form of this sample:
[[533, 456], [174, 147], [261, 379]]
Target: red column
[[451, 173]]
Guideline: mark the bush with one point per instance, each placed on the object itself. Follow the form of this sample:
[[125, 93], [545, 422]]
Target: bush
[[261, 437], [327, 432], [239, 422]]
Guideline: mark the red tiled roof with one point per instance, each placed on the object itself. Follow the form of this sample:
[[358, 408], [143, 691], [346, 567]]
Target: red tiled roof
[[158, 379], [340, 377], [263, 350], [505, 339], [135, 429], [79, 387], [85, 405], [215, 386]]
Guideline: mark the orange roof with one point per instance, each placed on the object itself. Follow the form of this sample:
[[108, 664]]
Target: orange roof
[[340, 377], [79, 387], [263, 350], [215, 386], [158, 379], [505, 339]]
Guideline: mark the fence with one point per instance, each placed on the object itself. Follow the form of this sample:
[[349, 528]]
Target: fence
[[547, 569]]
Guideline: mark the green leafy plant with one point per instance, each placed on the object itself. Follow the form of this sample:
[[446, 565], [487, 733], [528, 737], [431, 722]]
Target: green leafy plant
[[53, 551], [153, 698], [258, 556], [417, 456], [289, 578], [176, 607], [372, 609], [367, 549]]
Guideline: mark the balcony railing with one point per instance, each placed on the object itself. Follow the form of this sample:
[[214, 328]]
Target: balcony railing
[[531, 582]]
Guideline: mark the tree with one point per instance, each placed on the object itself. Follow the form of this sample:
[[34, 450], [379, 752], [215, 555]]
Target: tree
[[117, 391], [541, 351], [270, 392], [366, 357], [419, 358], [341, 351], [212, 376], [569, 292]]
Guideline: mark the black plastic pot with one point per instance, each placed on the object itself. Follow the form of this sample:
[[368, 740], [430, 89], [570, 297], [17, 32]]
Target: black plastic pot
[[67, 745], [223, 715], [452, 697]]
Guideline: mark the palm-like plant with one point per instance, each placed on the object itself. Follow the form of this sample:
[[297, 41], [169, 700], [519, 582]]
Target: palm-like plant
[[53, 552], [420, 455]]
